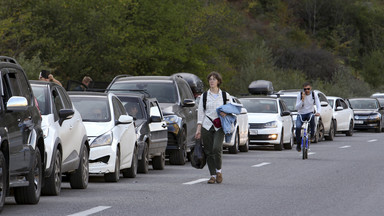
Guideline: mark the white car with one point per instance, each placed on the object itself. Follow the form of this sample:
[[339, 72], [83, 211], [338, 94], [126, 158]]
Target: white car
[[270, 122], [325, 123], [343, 115], [65, 138], [239, 140], [111, 134]]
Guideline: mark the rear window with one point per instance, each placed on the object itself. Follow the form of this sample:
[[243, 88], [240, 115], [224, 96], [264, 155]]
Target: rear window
[[164, 92], [92, 109], [259, 105]]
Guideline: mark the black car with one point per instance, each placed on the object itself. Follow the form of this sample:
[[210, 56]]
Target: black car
[[22, 142], [151, 129], [368, 113], [178, 106]]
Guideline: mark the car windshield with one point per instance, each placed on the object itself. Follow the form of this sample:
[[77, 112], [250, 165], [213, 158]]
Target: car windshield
[[165, 92], [331, 101], [255, 105], [132, 106], [41, 94], [290, 102], [92, 109], [363, 104]]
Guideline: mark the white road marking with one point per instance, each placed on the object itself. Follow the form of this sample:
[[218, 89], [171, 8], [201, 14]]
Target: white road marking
[[311, 153], [196, 181], [91, 211], [372, 140], [261, 164], [343, 147]]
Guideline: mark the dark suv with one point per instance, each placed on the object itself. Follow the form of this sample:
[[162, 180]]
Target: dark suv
[[151, 129], [22, 142], [178, 106]]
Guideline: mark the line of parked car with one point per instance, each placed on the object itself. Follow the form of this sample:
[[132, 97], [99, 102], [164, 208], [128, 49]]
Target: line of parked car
[[137, 121]]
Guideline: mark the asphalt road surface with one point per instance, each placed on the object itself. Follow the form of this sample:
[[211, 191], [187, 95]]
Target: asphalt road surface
[[341, 177]]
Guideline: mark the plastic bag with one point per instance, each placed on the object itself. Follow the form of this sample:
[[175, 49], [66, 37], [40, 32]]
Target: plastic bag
[[198, 159]]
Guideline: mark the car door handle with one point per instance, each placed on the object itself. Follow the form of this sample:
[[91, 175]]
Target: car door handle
[[70, 127]]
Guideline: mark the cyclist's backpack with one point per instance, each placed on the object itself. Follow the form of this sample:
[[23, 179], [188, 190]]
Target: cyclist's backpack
[[224, 94], [313, 97]]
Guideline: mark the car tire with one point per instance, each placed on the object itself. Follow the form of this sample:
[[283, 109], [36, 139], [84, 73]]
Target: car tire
[[331, 134], [245, 147], [350, 131], [179, 156], [52, 184], [31, 193], [115, 176], [378, 130], [132, 171], [234, 149], [3, 183], [158, 162], [79, 179], [279, 147], [143, 164], [290, 144], [319, 132]]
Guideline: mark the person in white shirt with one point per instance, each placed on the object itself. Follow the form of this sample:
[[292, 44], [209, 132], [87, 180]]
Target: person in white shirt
[[212, 137], [305, 107]]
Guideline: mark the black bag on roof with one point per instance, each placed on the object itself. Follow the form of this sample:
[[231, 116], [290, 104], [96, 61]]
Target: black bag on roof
[[196, 84], [263, 87]]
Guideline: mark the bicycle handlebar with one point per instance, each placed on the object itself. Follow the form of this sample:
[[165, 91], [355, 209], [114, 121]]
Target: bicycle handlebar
[[306, 120]]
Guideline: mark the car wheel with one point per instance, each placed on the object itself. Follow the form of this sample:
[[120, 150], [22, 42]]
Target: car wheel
[[279, 146], [53, 183], [115, 176], [158, 162], [378, 130], [3, 183], [245, 147], [132, 171], [350, 131], [234, 149], [290, 144], [331, 132], [31, 193], [79, 179], [144, 162], [178, 157], [319, 132]]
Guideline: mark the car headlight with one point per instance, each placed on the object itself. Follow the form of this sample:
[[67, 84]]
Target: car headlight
[[272, 124], [105, 139], [45, 131], [375, 116]]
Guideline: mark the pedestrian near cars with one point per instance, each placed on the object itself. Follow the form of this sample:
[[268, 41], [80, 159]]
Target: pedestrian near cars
[[84, 84], [211, 134], [47, 76], [305, 107]]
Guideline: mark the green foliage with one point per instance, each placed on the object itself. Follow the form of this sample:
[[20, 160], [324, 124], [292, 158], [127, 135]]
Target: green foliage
[[32, 67], [373, 67]]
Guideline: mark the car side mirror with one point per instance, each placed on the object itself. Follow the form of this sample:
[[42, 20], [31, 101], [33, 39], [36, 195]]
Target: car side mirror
[[286, 113], [189, 103], [17, 103], [323, 103], [65, 114], [155, 119], [339, 108], [124, 119]]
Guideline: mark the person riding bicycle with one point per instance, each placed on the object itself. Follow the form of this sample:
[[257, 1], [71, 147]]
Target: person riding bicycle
[[305, 107]]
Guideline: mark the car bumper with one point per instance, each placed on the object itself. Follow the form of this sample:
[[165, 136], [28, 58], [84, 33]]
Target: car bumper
[[102, 160], [264, 136], [367, 124]]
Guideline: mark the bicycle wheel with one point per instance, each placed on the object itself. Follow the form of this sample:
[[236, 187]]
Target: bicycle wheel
[[304, 148]]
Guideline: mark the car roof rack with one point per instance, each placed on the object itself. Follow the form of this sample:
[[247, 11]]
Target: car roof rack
[[8, 59]]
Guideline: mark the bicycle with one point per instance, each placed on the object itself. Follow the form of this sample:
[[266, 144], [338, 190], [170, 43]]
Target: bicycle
[[305, 140]]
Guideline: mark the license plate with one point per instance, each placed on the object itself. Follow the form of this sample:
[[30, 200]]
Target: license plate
[[359, 122], [253, 132]]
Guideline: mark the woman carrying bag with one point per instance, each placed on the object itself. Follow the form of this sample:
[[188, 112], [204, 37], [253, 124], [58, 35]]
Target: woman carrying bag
[[209, 128]]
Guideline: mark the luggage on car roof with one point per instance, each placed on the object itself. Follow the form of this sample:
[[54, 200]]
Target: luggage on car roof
[[260, 87], [196, 84]]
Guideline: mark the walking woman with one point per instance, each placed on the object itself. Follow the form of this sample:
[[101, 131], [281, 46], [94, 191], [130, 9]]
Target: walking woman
[[208, 130]]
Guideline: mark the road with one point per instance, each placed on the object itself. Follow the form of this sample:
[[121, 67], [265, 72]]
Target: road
[[342, 177]]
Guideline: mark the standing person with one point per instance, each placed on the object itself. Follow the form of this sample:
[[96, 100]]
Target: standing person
[[85, 84], [47, 76], [212, 136], [305, 107]]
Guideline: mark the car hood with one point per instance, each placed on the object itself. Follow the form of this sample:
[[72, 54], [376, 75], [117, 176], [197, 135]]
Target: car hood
[[365, 112], [169, 108], [97, 128], [261, 117]]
